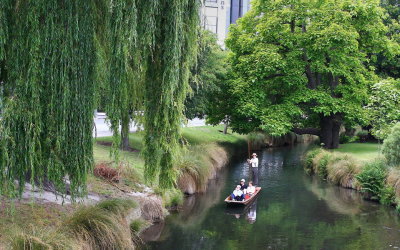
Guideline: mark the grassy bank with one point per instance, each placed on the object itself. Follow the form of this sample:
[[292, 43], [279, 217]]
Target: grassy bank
[[106, 225], [358, 166], [42, 225], [208, 150]]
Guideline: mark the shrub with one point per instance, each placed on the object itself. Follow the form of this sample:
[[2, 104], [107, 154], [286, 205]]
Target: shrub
[[391, 146], [372, 179], [387, 195], [106, 172], [343, 139], [362, 135]]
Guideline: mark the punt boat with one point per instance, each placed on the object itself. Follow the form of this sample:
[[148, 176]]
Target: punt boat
[[244, 202]]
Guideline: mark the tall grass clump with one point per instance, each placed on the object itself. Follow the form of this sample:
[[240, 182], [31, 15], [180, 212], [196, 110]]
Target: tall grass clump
[[393, 180], [308, 160], [199, 164], [120, 207], [99, 228], [391, 146], [342, 170], [372, 179], [136, 227], [320, 162], [172, 197], [34, 238]]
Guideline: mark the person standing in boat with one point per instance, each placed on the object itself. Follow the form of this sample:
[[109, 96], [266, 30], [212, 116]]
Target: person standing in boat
[[253, 162]]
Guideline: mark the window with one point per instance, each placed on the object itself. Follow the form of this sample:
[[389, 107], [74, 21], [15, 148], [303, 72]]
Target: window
[[211, 19]]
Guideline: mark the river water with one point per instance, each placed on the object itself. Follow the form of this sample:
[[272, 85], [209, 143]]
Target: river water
[[293, 211]]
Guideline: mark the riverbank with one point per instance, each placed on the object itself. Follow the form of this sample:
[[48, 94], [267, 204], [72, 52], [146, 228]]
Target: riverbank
[[207, 151], [358, 166]]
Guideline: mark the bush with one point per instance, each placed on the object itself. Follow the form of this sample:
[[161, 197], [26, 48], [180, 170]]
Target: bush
[[391, 146], [387, 196], [362, 135], [343, 139], [372, 179]]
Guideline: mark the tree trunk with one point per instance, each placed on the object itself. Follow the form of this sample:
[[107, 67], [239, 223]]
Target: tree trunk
[[330, 128], [336, 124], [125, 132], [226, 127]]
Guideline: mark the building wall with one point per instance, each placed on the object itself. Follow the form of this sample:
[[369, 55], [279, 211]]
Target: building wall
[[217, 15]]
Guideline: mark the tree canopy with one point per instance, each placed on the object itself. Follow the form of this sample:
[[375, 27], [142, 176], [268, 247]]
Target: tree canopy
[[56, 54], [304, 66], [205, 75], [384, 107]]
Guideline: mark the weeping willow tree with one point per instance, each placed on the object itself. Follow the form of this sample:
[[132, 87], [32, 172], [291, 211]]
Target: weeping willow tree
[[122, 83], [171, 50], [48, 119]]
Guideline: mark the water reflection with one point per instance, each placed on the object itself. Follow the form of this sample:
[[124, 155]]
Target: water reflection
[[252, 214], [294, 211], [249, 211]]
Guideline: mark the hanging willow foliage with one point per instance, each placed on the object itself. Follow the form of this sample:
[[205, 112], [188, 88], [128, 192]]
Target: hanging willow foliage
[[48, 121], [4, 6], [122, 41], [166, 85]]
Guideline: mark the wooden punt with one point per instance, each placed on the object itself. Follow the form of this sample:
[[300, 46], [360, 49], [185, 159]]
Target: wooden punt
[[245, 202]]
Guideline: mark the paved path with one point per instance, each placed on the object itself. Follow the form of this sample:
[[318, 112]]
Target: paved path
[[103, 129]]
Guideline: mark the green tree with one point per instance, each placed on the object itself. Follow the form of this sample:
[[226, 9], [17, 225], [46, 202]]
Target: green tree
[[47, 67], [390, 148], [384, 107], [389, 65], [173, 26], [304, 66], [206, 73]]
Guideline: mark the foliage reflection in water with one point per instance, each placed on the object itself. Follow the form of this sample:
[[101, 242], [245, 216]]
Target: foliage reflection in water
[[293, 211]]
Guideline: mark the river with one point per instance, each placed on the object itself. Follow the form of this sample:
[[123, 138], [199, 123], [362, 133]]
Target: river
[[293, 211]]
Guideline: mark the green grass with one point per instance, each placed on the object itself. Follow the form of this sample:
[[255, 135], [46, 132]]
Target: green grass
[[210, 134], [194, 136], [361, 151]]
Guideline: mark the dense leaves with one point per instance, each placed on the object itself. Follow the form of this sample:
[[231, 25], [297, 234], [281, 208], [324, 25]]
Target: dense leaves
[[304, 64], [391, 146], [384, 107], [166, 84], [47, 124], [205, 76]]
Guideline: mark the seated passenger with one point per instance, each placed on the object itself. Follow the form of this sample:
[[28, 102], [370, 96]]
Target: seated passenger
[[251, 189], [243, 185], [237, 194]]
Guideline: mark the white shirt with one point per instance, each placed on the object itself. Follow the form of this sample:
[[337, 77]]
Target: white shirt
[[251, 190], [237, 192], [254, 162]]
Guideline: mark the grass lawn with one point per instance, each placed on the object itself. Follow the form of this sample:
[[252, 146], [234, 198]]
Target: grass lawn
[[194, 136], [361, 151]]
